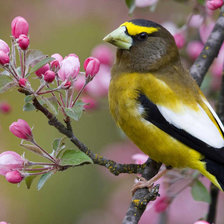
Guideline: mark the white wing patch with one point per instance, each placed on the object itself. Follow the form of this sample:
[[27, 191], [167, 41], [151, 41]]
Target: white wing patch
[[196, 123]]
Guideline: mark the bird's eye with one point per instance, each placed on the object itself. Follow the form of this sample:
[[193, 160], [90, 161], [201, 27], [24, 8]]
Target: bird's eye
[[143, 36]]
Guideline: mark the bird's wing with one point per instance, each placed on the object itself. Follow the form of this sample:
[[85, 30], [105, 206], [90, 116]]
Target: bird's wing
[[195, 129]]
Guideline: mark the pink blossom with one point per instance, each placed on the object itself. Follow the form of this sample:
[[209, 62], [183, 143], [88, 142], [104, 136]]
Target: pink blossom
[[79, 82], [21, 129], [23, 41], [194, 48], [3, 222], [42, 70], [90, 102], [19, 26], [196, 21], [4, 58], [201, 222], [145, 3], [140, 158], [99, 85], [49, 76], [58, 57], [161, 204], [69, 67], [214, 4], [4, 47], [180, 39], [67, 85], [22, 82], [5, 108], [9, 161], [104, 54], [14, 177], [55, 65], [205, 30], [91, 66]]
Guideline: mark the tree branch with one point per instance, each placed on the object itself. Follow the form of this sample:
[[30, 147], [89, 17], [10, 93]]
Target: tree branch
[[210, 51]]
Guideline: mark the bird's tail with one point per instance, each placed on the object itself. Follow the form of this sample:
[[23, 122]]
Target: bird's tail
[[215, 172]]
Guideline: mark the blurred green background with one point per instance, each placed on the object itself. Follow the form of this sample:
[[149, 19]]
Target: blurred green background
[[65, 26]]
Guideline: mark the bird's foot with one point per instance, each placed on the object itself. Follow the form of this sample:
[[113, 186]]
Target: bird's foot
[[143, 183]]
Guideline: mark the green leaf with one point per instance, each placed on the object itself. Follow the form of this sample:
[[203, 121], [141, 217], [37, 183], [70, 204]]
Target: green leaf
[[43, 180], [199, 192], [51, 104], [58, 145], [28, 98], [33, 57], [75, 112], [41, 64], [28, 107], [131, 5], [29, 180], [72, 157], [6, 83]]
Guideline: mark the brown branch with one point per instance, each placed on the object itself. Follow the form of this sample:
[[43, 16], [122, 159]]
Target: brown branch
[[210, 51]]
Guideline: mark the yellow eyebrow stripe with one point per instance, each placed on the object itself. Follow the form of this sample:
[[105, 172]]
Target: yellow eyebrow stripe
[[135, 29]]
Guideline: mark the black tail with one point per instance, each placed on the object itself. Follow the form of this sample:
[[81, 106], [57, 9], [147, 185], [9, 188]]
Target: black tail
[[216, 169]]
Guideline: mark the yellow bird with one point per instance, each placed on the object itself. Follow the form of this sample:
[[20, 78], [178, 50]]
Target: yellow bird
[[158, 104]]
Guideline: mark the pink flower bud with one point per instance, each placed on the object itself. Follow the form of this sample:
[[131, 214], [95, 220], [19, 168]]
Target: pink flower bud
[[179, 39], [69, 67], [4, 47], [214, 4], [23, 41], [42, 70], [104, 54], [140, 158], [49, 76], [91, 66], [4, 58], [67, 85], [14, 177], [19, 26], [58, 57], [194, 48], [201, 222], [22, 82], [161, 204], [145, 3], [9, 161], [5, 108], [90, 102], [21, 129]]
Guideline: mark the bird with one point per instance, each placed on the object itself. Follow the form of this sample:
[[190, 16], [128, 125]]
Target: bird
[[158, 104]]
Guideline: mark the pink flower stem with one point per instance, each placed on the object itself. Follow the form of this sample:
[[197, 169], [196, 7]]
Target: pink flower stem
[[62, 108], [24, 63], [21, 62], [45, 92], [36, 169], [40, 88], [78, 95], [13, 72], [13, 52], [40, 164], [48, 156], [62, 101], [39, 173]]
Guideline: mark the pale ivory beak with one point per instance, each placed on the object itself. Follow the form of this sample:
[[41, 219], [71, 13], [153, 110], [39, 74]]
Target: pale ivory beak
[[119, 38]]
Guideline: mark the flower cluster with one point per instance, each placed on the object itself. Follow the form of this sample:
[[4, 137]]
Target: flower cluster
[[61, 84]]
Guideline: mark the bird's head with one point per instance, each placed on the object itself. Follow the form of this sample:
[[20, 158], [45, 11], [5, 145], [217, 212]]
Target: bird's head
[[143, 46]]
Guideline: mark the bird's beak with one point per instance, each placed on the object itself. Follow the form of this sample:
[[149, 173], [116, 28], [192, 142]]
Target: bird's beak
[[119, 38]]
